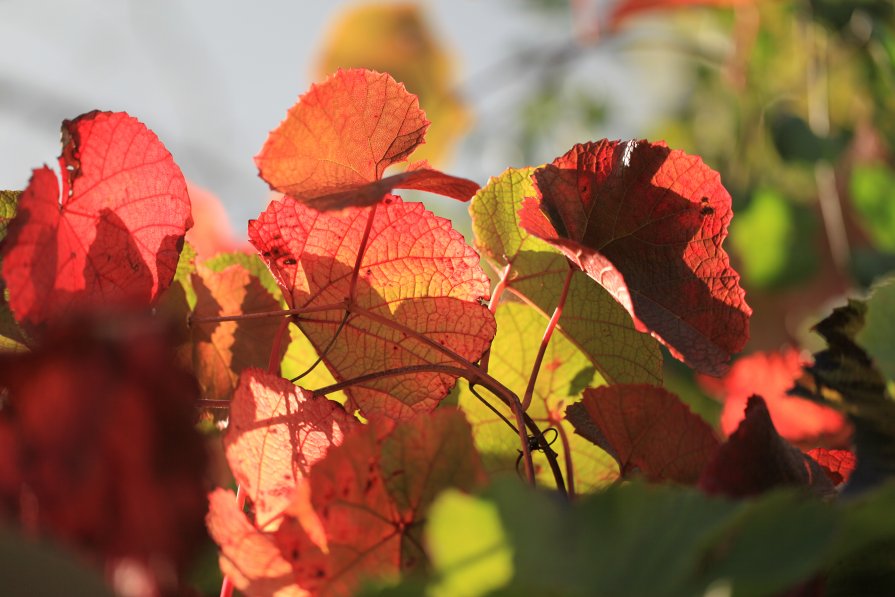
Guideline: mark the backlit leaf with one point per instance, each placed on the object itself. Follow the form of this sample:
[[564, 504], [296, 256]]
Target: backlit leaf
[[771, 375], [398, 39], [221, 350], [11, 336], [647, 429], [877, 335], [277, 432], [647, 224], [332, 149], [756, 459], [416, 273], [358, 515], [838, 464], [564, 373], [591, 318], [114, 233]]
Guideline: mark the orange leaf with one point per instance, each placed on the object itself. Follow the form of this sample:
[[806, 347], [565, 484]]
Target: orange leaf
[[838, 464], [222, 350], [332, 149], [368, 498], [647, 224], [416, 274], [114, 236], [277, 432], [646, 429]]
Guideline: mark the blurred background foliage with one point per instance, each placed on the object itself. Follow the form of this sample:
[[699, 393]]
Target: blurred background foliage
[[791, 101]]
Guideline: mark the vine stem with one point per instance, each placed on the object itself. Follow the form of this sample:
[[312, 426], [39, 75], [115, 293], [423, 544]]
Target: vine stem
[[476, 375], [362, 248], [548, 333], [567, 457], [265, 314], [492, 306], [273, 363], [227, 583]]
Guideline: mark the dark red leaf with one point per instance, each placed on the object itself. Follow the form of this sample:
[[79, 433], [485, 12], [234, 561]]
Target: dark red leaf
[[416, 272], [756, 459], [838, 464], [113, 236], [771, 375], [647, 224], [99, 445], [647, 429], [332, 149]]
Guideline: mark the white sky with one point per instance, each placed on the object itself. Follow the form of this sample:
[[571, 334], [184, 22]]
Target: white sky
[[211, 78]]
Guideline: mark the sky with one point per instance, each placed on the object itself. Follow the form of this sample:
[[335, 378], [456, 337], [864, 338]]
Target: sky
[[213, 78]]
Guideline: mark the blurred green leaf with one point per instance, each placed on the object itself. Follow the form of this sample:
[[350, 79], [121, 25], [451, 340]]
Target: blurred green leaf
[[773, 239], [873, 195]]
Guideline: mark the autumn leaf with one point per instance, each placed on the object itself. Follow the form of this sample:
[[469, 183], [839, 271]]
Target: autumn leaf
[[332, 149], [417, 296], [535, 271], [625, 9], [113, 235], [838, 464], [564, 374], [277, 432], [221, 350], [647, 429], [369, 497], [756, 459], [647, 224], [398, 39], [100, 450], [771, 375]]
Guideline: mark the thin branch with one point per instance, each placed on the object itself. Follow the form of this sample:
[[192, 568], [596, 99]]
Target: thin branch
[[492, 306], [361, 249], [360, 379], [276, 351], [567, 457], [548, 333], [326, 349], [266, 314]]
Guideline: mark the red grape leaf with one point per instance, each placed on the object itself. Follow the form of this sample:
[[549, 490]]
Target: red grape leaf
[[249, 557], [535, 271], [100, 448], [416, 272], [756, 459], [277, 432], [770, 375], [838, 464], [646, 429], [221, 350], [625, 9], [647, 224], [333, 147], [115, 234], [369, 498]]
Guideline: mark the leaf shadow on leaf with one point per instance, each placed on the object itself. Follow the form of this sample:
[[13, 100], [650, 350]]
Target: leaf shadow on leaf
[[642, 261], [367, 346], [218, 359]]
